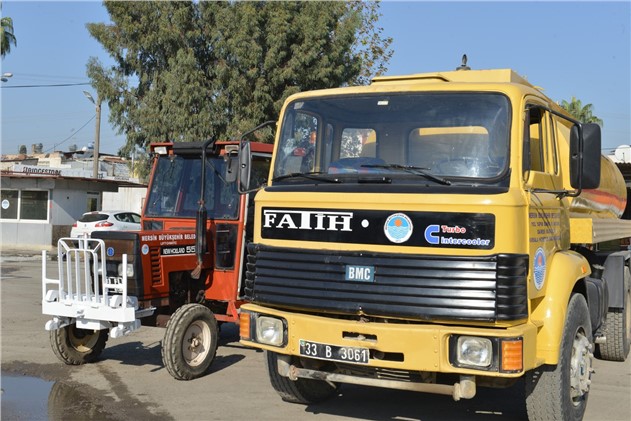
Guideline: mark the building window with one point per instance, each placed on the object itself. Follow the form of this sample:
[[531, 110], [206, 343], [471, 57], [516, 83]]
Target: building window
[[24, 204], [34, 205], [9, 204]]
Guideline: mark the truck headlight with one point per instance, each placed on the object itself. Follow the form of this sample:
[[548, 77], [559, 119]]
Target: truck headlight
[[270, 331], [130, 270], [474, 351]]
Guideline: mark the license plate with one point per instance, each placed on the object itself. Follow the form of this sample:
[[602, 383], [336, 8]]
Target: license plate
[[347, 354]]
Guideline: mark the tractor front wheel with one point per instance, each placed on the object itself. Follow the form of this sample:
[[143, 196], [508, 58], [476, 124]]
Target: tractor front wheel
[[190, 342]]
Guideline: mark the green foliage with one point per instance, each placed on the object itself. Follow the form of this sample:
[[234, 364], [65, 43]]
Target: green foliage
[[8, 36], [22, 150], [188, 71], [583, 113]]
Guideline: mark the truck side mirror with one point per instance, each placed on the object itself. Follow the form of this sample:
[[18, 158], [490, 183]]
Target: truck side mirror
[[245, 161], [585, 156]]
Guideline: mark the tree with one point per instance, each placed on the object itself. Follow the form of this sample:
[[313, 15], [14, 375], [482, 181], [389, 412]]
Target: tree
[[8, 36], [186, 71], [22, 149], [583, 113]]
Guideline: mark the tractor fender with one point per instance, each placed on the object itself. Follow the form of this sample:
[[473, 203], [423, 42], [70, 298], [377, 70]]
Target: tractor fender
[[565, 270]]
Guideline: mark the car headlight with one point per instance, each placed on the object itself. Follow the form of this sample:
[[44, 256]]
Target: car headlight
[[130, 270], [474, 351], [270, 331]]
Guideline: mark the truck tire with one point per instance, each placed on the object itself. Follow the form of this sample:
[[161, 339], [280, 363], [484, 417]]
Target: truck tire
[[190, 342], [303, 391], [75, 346], [560, 392], [617, 328]]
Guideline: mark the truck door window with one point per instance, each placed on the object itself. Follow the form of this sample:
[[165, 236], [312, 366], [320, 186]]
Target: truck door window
[[535, 139]]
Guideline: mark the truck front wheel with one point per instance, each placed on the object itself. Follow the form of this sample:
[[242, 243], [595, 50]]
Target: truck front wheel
[[560, 392], [618, 327], [304, 391], [76, 346], [190, 342]]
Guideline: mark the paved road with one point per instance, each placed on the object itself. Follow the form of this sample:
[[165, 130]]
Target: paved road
[[129, 382]]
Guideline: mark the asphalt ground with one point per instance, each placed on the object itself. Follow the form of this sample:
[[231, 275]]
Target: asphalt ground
[[130, 381]]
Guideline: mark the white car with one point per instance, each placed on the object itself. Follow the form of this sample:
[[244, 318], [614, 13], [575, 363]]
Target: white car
[[105, 221]]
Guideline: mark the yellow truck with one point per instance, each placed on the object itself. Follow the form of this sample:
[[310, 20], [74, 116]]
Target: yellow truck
[[437, 232]]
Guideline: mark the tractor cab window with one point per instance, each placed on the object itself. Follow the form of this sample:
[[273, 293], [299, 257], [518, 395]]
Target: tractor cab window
[[176, 188]]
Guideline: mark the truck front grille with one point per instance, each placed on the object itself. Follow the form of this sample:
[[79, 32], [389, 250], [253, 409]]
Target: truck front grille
[[421, 287]]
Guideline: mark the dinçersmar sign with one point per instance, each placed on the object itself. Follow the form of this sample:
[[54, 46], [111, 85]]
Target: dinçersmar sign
[[64, 172]]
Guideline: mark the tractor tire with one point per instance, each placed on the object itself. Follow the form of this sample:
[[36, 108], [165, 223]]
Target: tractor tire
[[190, 342], [75, 346]]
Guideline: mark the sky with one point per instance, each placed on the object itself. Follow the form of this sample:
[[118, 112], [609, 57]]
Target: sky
[[568, 48]]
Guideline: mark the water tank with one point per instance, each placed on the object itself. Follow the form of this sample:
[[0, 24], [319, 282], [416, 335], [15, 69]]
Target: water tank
[[609, 199]]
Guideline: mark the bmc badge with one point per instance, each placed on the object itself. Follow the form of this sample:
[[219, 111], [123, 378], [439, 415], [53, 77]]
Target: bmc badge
[[398, 228], [539, 268]]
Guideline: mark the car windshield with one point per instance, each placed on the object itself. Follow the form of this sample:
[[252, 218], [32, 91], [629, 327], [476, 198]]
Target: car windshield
[[176, 189], [409, 136]]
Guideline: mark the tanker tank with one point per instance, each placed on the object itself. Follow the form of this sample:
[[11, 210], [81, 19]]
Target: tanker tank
[[608, 200]]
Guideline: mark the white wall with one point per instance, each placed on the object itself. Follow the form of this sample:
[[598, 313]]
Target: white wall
[[127, 198]]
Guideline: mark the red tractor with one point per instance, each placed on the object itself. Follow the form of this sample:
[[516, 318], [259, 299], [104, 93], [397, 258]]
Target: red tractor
[[183, 270]]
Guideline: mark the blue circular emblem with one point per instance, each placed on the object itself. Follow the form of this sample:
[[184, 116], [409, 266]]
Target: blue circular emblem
[[398, 228], [539, 268], [145, 249], [110, 251]]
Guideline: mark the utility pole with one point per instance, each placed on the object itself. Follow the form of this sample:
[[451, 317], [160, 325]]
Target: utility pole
[[97, 133]]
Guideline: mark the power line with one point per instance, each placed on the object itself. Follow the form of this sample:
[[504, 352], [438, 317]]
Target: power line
[[45, 86], [69, 137]]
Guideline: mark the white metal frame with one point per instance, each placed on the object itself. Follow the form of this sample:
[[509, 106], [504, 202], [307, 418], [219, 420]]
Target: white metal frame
[[84, 294]]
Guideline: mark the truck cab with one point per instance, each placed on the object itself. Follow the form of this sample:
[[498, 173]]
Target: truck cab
[[432, 232]]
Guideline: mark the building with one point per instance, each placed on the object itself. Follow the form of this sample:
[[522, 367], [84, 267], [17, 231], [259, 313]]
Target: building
[[42, 195]]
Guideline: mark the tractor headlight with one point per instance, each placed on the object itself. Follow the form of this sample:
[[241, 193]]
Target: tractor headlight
[[129, 270]]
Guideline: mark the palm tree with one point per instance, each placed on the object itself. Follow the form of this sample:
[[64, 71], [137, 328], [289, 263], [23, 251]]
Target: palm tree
[[8, 37], [583, 113]]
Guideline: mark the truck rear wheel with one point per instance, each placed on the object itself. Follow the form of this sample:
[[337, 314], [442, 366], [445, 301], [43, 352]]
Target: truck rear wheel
[[190, 342], [560, 392], [76, 346], [304, 391], [618, 328]]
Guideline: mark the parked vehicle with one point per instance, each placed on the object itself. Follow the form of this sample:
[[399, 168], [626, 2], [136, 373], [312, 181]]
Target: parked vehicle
[[442, 236], [105, 221], [183, 270]]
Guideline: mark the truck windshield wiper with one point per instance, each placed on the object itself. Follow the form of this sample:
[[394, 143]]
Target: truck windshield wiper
[[314, 175], [412, 170]]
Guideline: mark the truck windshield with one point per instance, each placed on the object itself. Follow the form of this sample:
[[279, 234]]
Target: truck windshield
[[453, 135], [176, 189]]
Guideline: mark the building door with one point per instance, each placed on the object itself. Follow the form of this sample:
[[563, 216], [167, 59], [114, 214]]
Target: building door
[[94, 201]]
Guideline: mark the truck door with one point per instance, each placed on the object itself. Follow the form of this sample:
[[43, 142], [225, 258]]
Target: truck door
[[547, 220]]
